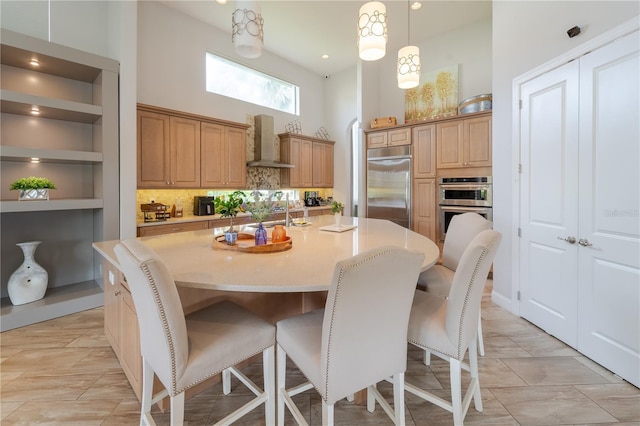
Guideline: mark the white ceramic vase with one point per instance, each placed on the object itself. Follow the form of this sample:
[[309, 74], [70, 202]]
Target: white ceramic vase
[[28, 283], [338, 217]]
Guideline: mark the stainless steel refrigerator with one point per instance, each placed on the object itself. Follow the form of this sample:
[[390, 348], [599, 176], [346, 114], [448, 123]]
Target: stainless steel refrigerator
[[389, 184]]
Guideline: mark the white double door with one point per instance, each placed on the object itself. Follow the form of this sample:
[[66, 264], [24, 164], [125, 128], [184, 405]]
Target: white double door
[[580, 202]]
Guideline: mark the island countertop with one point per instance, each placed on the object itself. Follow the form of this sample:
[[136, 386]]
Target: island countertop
[[307, 267]]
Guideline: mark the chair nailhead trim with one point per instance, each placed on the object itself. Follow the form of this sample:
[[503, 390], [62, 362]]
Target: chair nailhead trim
[[333, 308], [165, 325]]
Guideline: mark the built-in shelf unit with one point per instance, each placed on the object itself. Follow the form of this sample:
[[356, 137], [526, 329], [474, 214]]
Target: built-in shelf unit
[[74, 138]]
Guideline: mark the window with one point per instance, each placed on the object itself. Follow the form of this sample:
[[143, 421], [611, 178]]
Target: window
[[231, 79]]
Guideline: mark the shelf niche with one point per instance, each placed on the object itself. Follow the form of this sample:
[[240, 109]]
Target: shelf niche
[[75, 139]]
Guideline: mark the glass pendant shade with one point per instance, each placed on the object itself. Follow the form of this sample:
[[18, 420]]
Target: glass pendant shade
[[247, 29], [372, 31], [408, 67]]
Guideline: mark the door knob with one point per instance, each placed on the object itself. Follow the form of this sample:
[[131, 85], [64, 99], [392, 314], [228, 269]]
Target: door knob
[[584, 242], [570, 239]]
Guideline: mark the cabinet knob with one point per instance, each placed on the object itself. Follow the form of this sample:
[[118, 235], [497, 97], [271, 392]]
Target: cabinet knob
[[117, 293]]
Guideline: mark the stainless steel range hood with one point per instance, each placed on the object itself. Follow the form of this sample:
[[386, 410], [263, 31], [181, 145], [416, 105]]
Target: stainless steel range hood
[[264, 144]]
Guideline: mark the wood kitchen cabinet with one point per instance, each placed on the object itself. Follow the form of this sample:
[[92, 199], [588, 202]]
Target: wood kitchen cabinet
[[121, 325], [169, 228], [183, 150], [299, 153], [168, 151], [424, 151], [424, 208], [322, 165], [384, 138], [224, 156], [312, 159], [464, 143]]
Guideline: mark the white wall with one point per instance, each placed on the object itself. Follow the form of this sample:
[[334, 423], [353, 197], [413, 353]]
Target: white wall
[[469, 47], [341, 109], [171, 71], [526, 35], [83, 25]]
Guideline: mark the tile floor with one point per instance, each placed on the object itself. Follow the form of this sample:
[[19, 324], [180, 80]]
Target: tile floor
[[64, 372]]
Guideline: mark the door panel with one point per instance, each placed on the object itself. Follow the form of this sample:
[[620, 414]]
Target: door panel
[[549, 209], [609, 268]]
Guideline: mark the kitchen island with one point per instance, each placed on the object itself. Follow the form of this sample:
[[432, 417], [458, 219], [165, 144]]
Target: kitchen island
[[273, 285]]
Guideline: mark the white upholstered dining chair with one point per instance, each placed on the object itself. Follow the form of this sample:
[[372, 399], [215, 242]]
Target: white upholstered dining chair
[[437, 279], [447, 327], [183, 352], [358, 340]]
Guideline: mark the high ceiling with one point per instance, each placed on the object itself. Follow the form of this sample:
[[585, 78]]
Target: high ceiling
[[301, 31]]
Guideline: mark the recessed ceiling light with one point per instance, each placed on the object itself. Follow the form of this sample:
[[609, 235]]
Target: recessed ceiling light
[[34, 62], [325, 56], [35, 110], [416, 5], [35, 160], [221, 1]]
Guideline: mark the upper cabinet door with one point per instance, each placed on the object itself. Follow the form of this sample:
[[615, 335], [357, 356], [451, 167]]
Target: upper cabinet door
[[477, 137], [224, 158], [464, 143], [449, 140], [213, 155], [377, 140], [185, 152], [153, 150], [236, 157]]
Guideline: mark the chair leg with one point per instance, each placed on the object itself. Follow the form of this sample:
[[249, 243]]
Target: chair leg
[[268, 371], [371, 400], [427, 357], [177, 409], [226, 381], [327, 414], [475, 377], [480, 338], [147, 394], [456, 390], [281, 371], [398, 398]]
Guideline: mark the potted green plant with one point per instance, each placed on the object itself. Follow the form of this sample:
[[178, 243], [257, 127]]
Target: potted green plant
[[229, 206], [33, 188], [336, 209]]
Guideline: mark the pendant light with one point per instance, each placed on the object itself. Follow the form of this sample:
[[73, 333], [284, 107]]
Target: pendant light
[[372, 31], [408, 61], [247, 29]]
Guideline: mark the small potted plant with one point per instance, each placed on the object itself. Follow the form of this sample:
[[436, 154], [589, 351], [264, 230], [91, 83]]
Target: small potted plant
[[229, 206], [336, 209], [33, 188]]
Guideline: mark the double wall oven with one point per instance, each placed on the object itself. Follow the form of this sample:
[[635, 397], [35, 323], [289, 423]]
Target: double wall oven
[[457, 195]]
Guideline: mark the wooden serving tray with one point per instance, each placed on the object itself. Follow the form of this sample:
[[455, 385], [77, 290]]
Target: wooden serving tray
[[246, 243]]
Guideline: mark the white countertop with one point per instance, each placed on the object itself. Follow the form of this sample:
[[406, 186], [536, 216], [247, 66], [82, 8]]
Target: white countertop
[[307, 266]]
